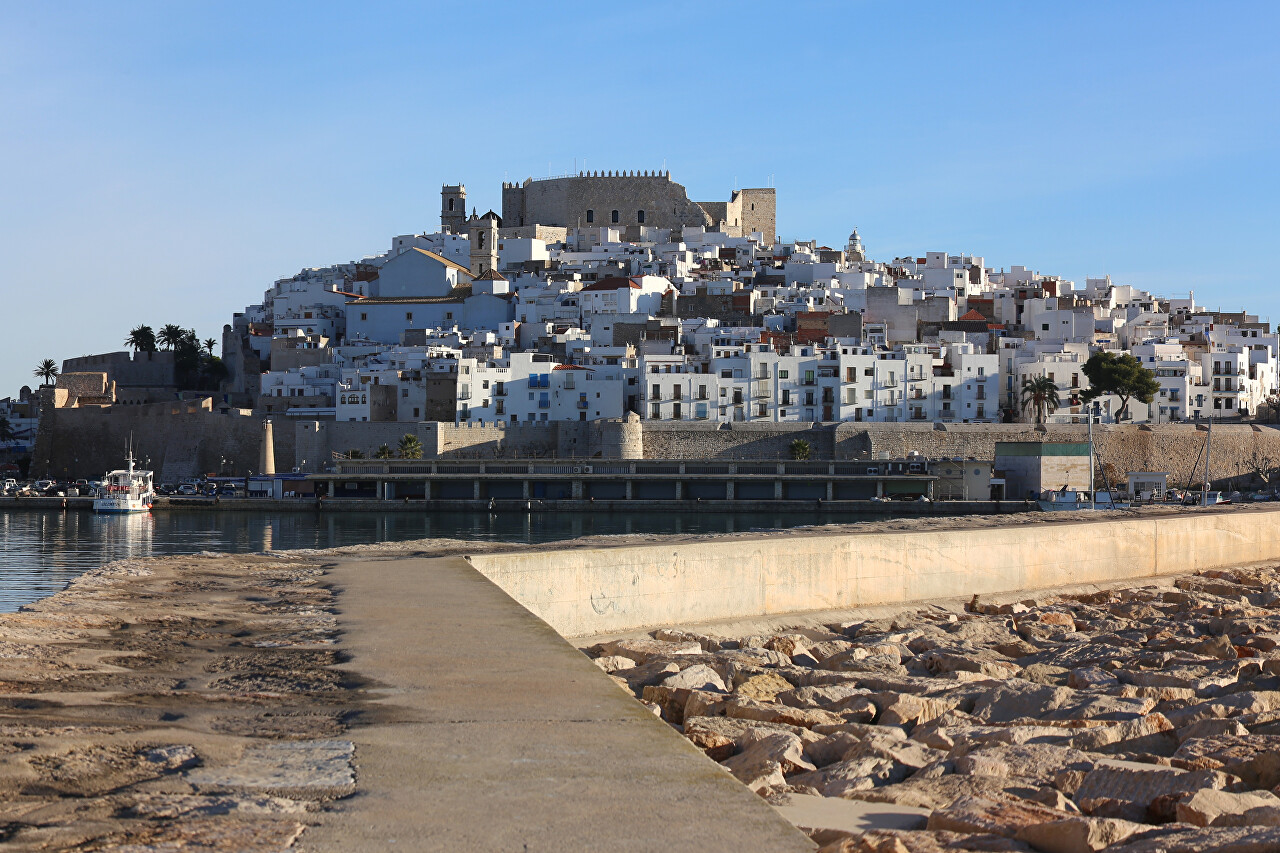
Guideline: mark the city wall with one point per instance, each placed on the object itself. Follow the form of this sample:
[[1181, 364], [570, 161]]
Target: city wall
[[588, 591], [190, 439], [179, 439], [1237, 448]]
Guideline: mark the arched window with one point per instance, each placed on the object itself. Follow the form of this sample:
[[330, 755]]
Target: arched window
[[591, 216], [640, 216], [364, 398], [481, 239], [615, 217], [450, 204]]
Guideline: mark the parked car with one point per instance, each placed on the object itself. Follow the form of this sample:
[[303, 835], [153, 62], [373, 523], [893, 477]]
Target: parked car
[[43, 485], [187, 490], [165, 489], [228, 490]]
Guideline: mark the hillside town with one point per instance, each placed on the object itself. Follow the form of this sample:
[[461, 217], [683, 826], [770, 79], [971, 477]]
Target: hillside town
[[601, 295], [562, 313]]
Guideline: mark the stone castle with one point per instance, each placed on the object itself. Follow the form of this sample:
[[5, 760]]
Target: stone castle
[[628, 201]]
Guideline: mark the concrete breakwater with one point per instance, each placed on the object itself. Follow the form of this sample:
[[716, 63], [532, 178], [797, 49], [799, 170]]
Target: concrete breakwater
[[586, 591]]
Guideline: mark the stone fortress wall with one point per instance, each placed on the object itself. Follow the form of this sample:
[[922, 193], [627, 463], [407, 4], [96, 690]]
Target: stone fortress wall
[[564, 202], [179, 439], [188, 439]]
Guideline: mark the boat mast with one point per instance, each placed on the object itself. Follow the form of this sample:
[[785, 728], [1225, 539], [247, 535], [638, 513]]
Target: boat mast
[[1092, 499], [1208, 448]]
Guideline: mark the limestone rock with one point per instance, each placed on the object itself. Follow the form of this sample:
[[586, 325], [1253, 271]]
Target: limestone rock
[[766, 758], [1205, 807], [1117, 789], [763, 687], [1254, 758], [613, 663], [1077, 834], [1007, 816], [905, 709], [643, 649], [697, 677]]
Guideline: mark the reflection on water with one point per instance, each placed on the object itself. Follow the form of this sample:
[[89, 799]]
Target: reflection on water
[[42, 551]]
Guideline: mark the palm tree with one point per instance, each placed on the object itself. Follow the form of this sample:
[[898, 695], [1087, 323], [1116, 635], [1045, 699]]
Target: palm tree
[[355, 454], [47, 370], [800, 449], [383, 452], [141, 339], [410, 447], [170, 335], [209, 344], [1040, 395]]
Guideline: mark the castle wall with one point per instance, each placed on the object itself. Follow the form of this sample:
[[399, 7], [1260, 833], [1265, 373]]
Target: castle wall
[[180, 439], [142, 369], [564, 202]]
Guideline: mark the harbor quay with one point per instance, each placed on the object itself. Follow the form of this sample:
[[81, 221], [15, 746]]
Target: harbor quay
[[921, 684]]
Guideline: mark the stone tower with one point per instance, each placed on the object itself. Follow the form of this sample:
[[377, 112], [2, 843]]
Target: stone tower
[[483, 233], [453, 208]]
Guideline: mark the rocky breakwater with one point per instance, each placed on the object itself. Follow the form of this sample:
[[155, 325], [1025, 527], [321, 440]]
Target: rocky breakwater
[[1143, 719], [174, 704]]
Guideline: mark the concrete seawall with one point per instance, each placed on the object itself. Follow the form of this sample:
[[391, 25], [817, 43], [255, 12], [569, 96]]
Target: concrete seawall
[[607, 590]]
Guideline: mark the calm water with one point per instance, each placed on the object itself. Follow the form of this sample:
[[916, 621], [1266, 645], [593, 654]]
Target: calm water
[[41, 552]]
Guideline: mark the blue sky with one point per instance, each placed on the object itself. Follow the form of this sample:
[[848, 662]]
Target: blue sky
[[165, 162]]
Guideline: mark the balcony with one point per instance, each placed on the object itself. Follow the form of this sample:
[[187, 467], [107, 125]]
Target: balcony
[[947, 415], [582, 404]]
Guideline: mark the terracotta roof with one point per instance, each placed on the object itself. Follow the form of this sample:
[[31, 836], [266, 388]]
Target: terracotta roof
[[570, 367], [491, 275], [973, 314], [442, 259]]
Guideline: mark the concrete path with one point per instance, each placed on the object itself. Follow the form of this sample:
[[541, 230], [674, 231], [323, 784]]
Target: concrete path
[[498, 735]]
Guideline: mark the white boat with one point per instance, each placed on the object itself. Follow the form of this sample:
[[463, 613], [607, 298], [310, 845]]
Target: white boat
[[125, 490]]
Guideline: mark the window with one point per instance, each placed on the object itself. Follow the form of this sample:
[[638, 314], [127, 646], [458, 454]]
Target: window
[[415, 412], [591, 216], [1044, 327], [783, 374], [364, 316], [408, 315], [451, 204], [640, 216], [614, 217]]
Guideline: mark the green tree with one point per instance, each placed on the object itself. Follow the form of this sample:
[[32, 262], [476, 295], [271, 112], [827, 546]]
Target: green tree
[[800, 449], [355, 454], [1122, 375], [142, 339], [46, 370], [410, 447], [1040, 395], [6, 431], [170, 335], [209, 344], [383, 452]]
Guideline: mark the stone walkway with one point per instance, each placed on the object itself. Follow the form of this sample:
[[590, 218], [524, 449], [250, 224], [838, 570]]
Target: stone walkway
[[492, 733]]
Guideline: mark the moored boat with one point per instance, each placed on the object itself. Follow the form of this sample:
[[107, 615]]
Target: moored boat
[[125, 490]]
